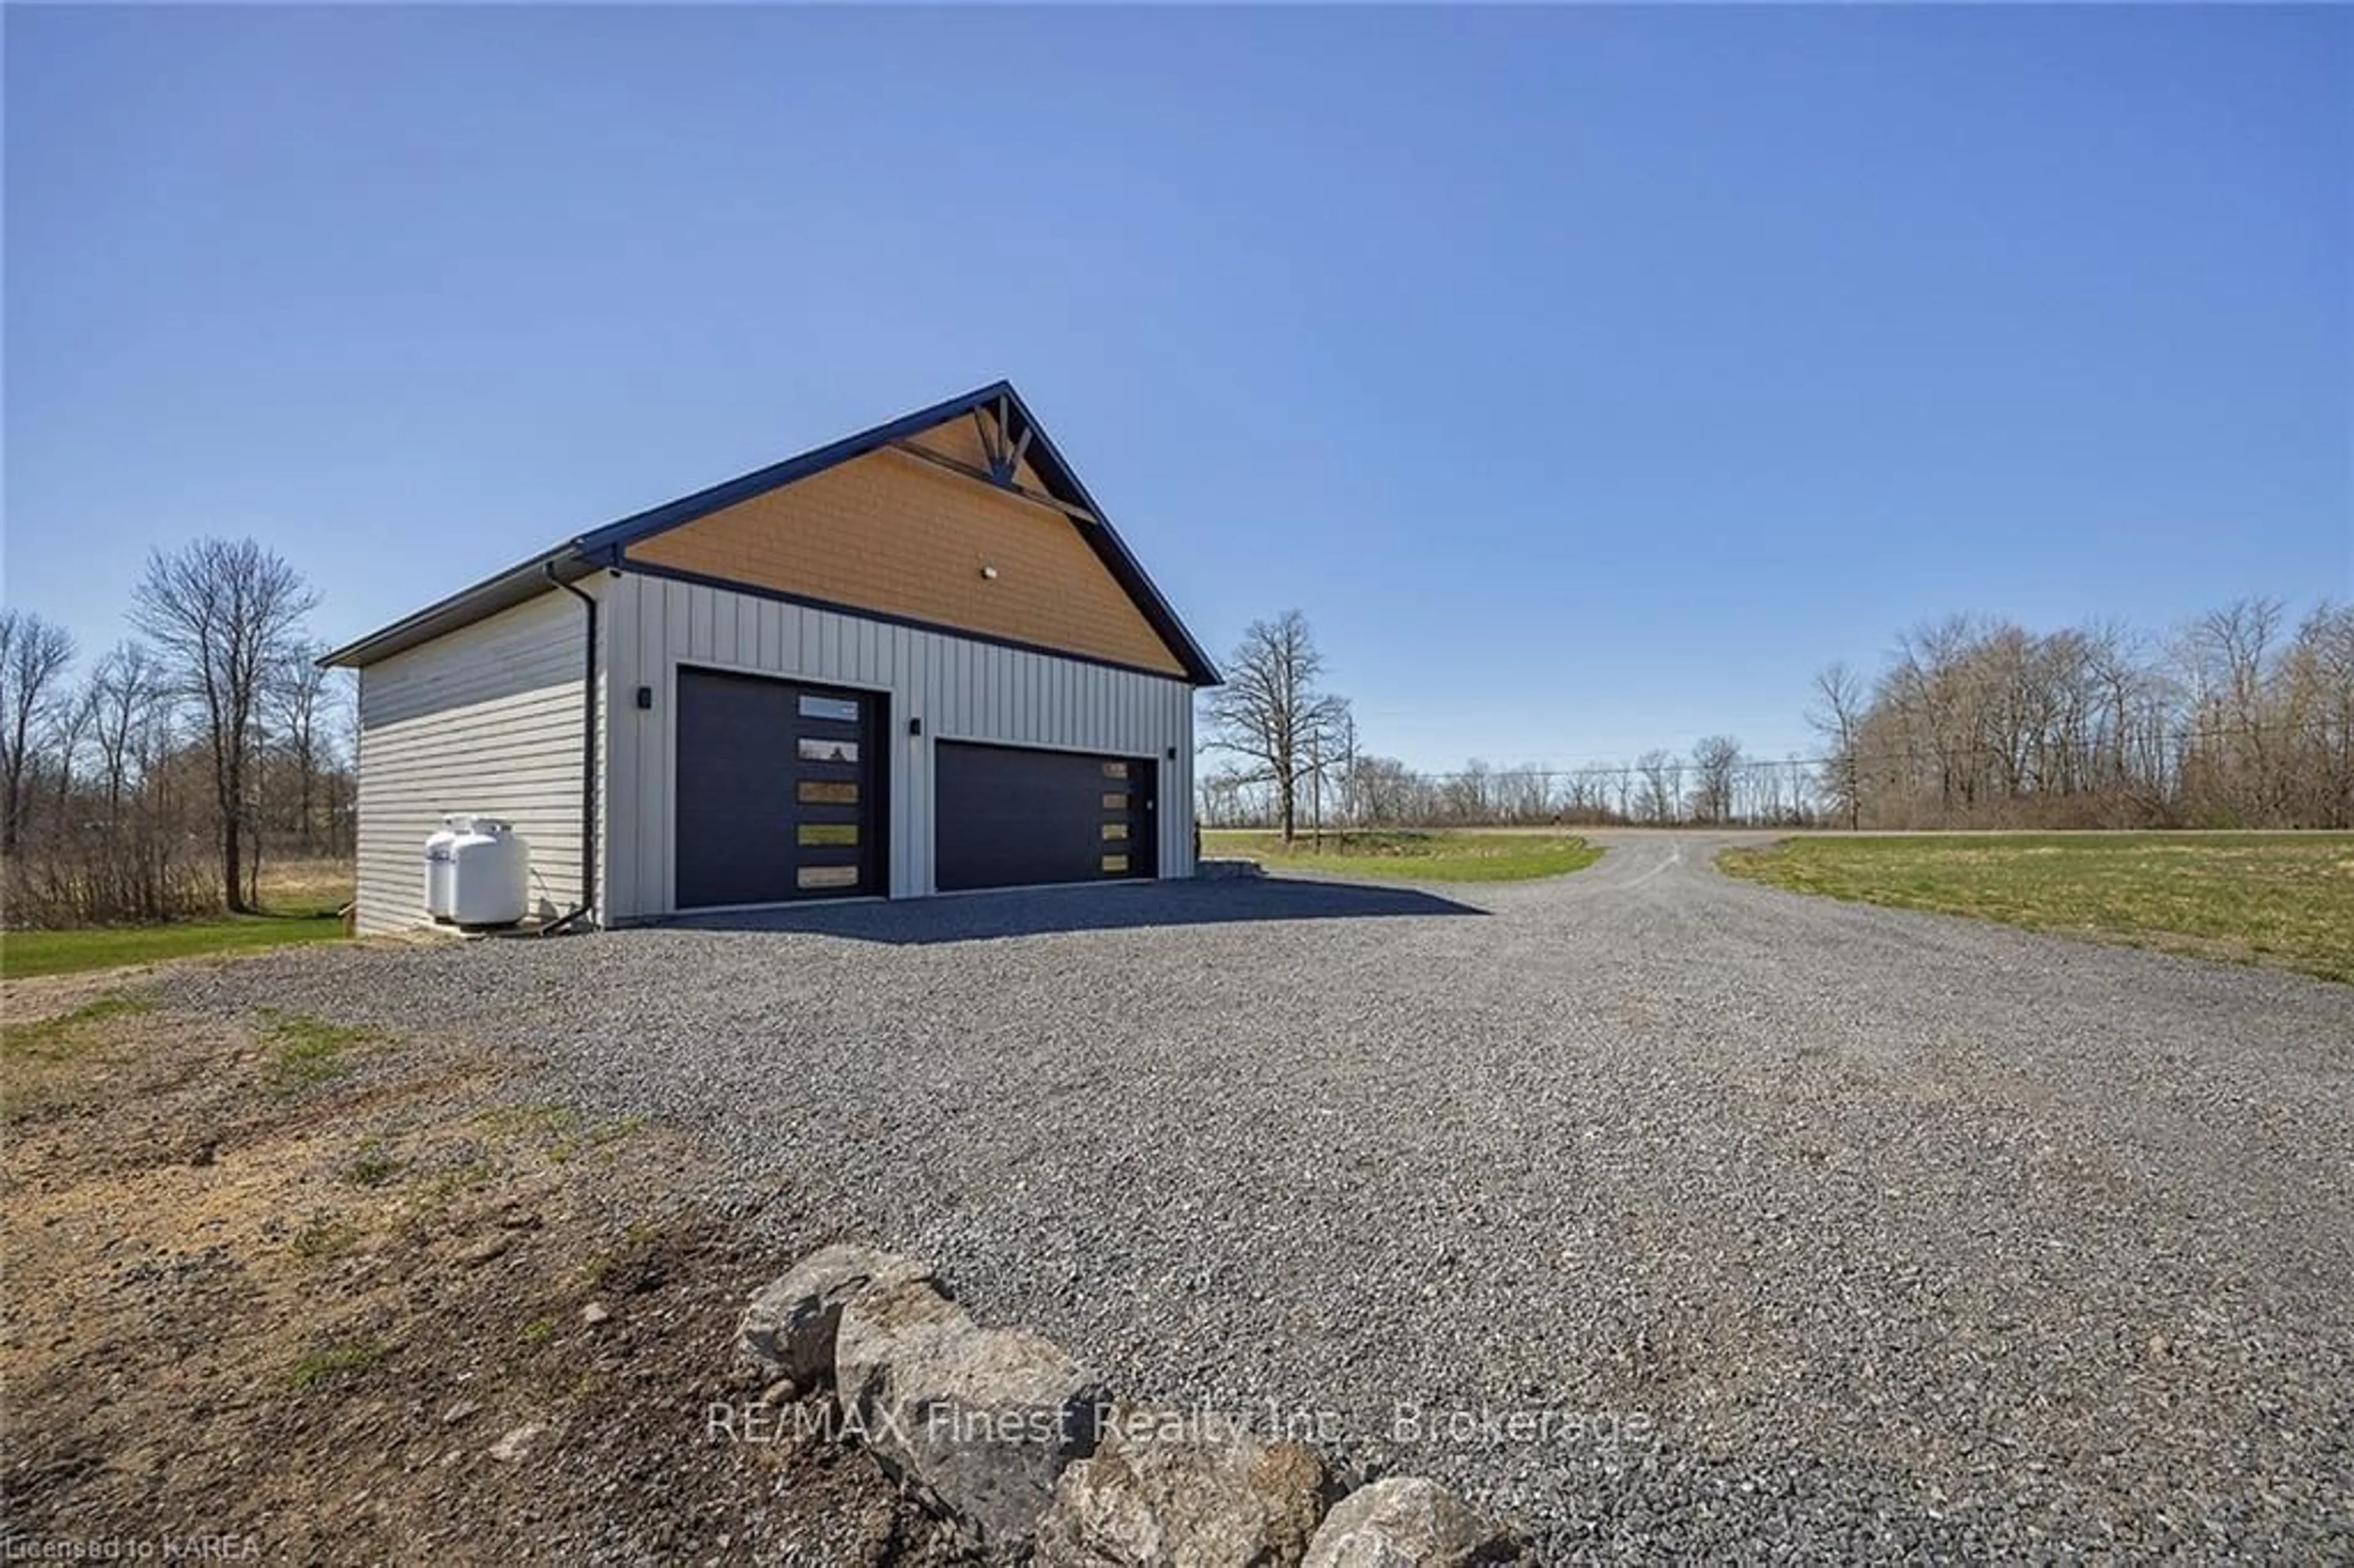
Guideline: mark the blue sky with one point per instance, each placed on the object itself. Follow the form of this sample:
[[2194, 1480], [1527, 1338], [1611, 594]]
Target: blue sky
[[1589, 376]]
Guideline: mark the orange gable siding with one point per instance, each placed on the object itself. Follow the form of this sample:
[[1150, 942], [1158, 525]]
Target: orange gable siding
[[892, 532], [959, 438]]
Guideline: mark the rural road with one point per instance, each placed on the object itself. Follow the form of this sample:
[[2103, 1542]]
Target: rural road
[[1805, 1227]]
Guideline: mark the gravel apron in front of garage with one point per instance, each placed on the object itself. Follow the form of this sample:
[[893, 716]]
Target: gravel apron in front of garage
[[1732, 1221]]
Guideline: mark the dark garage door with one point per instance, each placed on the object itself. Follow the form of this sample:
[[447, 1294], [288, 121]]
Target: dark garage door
[[1009, 816], [778, 791]]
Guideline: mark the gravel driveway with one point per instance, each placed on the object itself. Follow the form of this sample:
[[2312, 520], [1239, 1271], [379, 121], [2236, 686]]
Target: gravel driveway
[[1793, 1225]]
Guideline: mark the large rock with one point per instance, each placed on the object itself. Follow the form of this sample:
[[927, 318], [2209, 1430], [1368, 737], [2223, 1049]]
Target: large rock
[[1187, 1499], [983, 1420], [1406, 1522], [788, 1332]]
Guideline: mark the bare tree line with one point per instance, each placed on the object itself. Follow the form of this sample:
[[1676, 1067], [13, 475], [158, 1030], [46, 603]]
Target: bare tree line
[[2241, 719], [1286, 737], [1716, 783], [151, 785]]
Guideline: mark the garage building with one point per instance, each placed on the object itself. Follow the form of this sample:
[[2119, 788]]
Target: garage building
[[916, 660]]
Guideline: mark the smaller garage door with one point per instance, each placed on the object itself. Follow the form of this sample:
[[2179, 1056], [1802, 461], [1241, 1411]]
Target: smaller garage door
[[779, 791], [1012, 817]]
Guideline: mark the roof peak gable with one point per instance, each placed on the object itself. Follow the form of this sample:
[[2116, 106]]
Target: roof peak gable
[[1018, 439], [1024, 441]]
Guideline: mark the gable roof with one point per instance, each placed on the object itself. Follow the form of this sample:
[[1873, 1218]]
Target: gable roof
[[1023, 441]]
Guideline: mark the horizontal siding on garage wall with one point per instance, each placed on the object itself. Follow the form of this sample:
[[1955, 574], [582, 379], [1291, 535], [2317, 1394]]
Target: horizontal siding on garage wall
[[962, 689], [486, 719]]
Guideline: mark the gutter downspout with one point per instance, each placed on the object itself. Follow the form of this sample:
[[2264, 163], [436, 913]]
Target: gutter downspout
[[584, 912]]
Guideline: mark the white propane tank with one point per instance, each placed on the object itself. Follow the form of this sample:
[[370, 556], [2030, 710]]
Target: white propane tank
[[440, 864], [490, 874]]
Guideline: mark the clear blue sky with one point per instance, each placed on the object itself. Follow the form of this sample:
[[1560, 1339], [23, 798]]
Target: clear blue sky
[[1588, 376]]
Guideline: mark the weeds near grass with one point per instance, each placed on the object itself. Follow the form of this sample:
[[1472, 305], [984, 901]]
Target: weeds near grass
[[324, 1238], [372, 1166], [326, 1365], [597, 1135], [68, 1032], [538, 1331], [444, 1185], [559, 1126], [639, 1238], [305, 1051], [430, 1196]]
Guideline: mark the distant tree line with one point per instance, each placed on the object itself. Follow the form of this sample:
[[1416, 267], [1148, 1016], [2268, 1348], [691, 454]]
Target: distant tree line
[[1715, 783], [2244, 718], [150, 783], [1287, 750]]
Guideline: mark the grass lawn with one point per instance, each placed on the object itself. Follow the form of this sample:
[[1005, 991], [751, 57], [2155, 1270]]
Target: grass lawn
[[2282, 899], [1414, 856], [300, 901]]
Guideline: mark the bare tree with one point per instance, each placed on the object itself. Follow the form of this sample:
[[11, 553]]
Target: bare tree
[[1386, 792], [2228, 656], [127, 692], [1589, 792], [299, 701], [77, 710], [34, 656], [225, 617], [1661, 783], [1270, 711], [1225, 799], [1715, 761], [1469, 793], [1836, 715], [2326, 653]]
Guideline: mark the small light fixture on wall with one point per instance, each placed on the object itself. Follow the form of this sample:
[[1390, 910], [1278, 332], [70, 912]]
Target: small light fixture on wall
[[916, 726], [988, 574]]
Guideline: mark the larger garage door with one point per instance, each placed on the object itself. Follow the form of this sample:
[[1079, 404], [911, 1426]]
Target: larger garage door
[[1008, 817], [778, 791]]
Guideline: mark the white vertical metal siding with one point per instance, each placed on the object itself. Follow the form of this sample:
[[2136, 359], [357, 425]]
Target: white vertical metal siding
[[486, 719], [962, 689]]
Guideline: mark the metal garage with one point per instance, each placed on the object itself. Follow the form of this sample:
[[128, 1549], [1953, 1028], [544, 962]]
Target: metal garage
[[916, 659], [1018, 816]]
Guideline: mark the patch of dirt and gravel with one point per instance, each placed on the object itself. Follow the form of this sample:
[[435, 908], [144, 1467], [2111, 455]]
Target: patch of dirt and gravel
[[312, 1292], [1660, 1214]]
